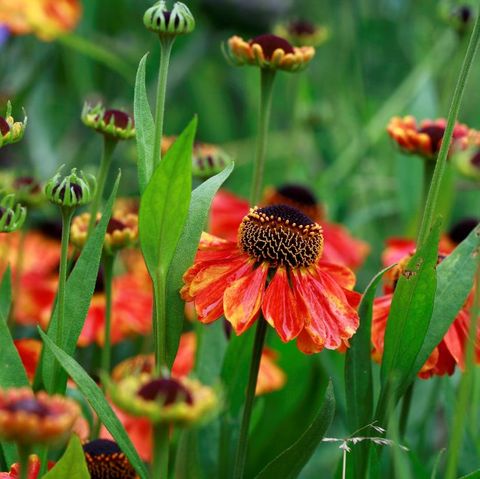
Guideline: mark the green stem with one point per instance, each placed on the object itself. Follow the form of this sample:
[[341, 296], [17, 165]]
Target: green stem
[[18, 275], [434, 192], [67, 214], [108, 261], [267, 78], [406, 404], [166, 45], [465, 389], [160, 323], [109, 145], [241, 455], [24, 454], [160, 452]]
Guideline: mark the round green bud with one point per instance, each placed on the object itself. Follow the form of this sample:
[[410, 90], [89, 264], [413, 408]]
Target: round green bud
[[177, 21], [73, 190], [12, 216]]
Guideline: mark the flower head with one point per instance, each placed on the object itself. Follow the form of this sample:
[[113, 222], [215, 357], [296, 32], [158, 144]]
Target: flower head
[[302, 33], [164, 400], [468, 163], [73, 190], [122, 231], [425, 139], [269, 52], [12, 216], [306, 298], [114, 124], [27, 418], [177, 21], [105, 459], [11, 131], [27, 190]]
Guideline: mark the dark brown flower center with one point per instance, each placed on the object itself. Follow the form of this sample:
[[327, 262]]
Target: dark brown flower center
[[105, 460], [281, 236], [475, 160], [299, 194], [462, 229], [115, 225], [4, 126], [29, 406], [270, 43], [28, 183], [120, 118], [301, 27], [166, 391], [435, 134], [75, 190]]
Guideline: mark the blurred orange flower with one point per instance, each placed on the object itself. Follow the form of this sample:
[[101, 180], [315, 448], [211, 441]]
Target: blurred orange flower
[[47, 19], [29, 351], [33, 469]]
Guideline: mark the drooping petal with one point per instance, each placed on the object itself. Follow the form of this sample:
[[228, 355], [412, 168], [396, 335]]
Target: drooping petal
[[280, 307], [457, 336], [381, 310], [308, 344], [226, 214], [331, 318], [344, 276], [242, 299], [270, 376]]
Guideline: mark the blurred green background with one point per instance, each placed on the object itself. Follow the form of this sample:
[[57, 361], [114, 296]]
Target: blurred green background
[[382, 58]]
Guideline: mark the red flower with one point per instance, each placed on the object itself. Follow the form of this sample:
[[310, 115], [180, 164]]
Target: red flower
[[339, 247], [306, 298], [33, 469], [29, 351]]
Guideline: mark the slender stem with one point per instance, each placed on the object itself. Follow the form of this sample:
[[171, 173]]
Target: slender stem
[[465, 388], [160, 323], [24, 454], [166, 45], [267, 78], [434, 192], [406, 404], [18, 275], [109, 145], [241, 456], [108, 261], [67, 214], [160, 452]]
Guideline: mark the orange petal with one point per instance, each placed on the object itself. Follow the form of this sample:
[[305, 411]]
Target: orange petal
[[280, 307], [242, 300], [270, 376], [342, 275], [307, 344]]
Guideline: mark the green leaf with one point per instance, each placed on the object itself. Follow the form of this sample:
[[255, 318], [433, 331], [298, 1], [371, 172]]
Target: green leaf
[[290, 463], [144, 126], [211, 347], [72, 464], [454, 282], [165, 202], [358, 374], [187, 462], [410, 313], [79, 290], [95, 397], [472, 475], [185, 253], [6, 294]]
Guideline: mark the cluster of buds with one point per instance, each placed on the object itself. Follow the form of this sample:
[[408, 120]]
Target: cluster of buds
[[114, 124], [11, 131], [169, 23], [12, 216], [75, 189]]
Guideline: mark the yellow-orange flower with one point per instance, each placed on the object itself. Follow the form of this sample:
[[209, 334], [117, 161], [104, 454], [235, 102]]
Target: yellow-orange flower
[[269, 52], [425, 139], [275, 268]]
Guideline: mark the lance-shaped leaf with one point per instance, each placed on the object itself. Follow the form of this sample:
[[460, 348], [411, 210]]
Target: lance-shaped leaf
[[96, 398], [290, 463], [6, 294], [144, 126], [72, 464], [202, 198]]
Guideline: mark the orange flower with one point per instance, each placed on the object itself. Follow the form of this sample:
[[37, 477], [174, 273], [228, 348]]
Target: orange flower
[[47, 19], [29, 351], [33, 469], [339, 247], [306, 298], [451, 349], [425, 139]]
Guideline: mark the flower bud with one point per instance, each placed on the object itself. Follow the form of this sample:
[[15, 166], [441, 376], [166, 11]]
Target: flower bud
[[114, 124], [72, 190], [468, 163], [11, 131], [12, 216], [177, 21]]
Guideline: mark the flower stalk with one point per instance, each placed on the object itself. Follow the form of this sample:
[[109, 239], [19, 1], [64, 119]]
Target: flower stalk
[[23, 456], [241, 454], [160, 451], [108, 262], [267, 77]]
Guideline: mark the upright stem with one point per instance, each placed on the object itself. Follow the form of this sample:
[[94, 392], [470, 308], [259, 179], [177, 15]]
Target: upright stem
[[18, 275], [108, 262], [166, 45], [24, 454], [433, 194], [267, 78], [242, 447], [160, 323], [67, 214], [406, 404], [465, 388], [160, 452], [109, 145]]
